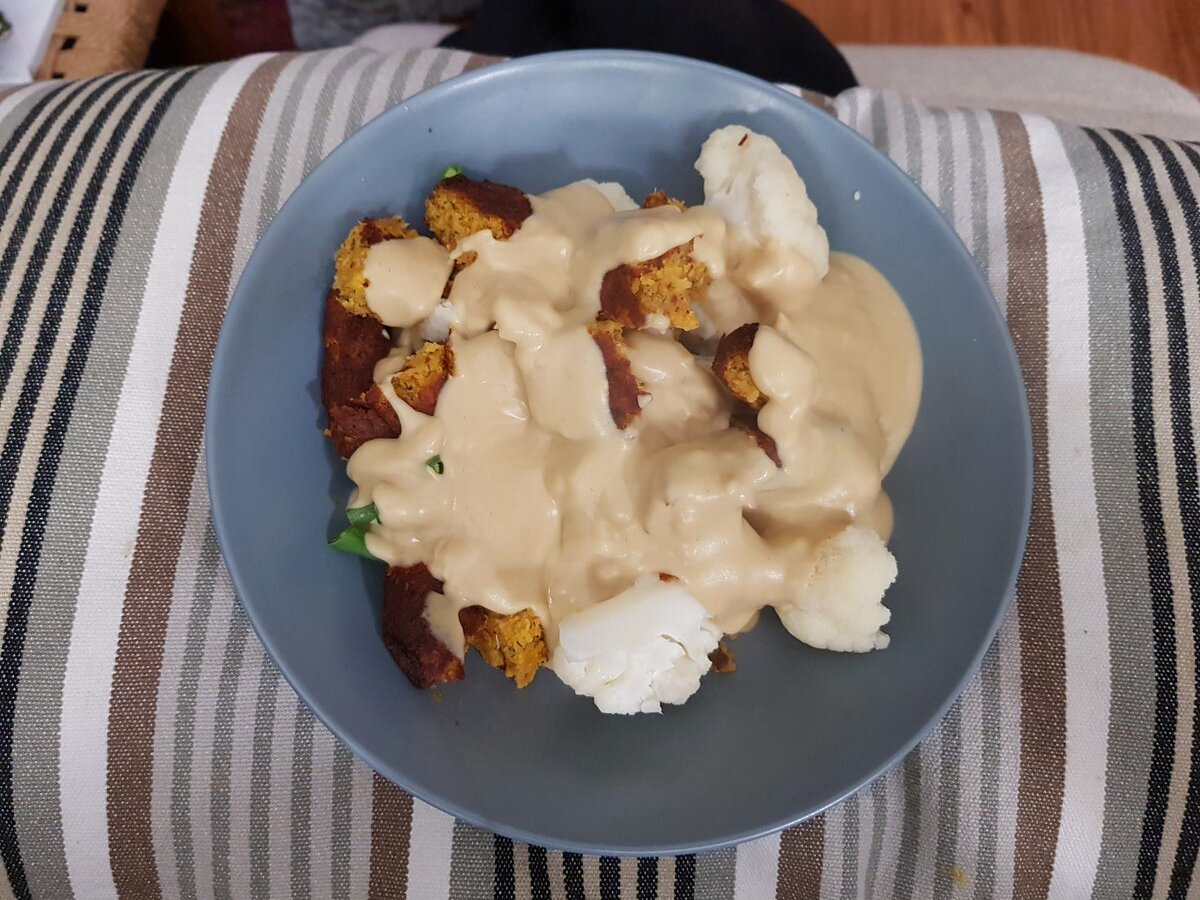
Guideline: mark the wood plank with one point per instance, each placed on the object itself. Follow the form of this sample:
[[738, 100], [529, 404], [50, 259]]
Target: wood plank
[[1163, 35]]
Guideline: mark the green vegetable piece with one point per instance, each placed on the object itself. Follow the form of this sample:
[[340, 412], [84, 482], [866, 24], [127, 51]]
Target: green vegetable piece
[[435, 465], [451, 171], [353, 540], [363, 515]]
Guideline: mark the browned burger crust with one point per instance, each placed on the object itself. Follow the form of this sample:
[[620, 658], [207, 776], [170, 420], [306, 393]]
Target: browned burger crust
[[349, 279], [459, 207], [665, 285], [370, 415], [515, 644], [364, 418], [747, 422], [662, 198], [731, 365], [353, 344], [420, 382], [623, 388], [722, 659], [406, 633]]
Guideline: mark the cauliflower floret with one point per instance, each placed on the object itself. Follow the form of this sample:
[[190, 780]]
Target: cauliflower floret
[[614, 193], [436, 326], [646, 646], [841, 606], [755, 188]]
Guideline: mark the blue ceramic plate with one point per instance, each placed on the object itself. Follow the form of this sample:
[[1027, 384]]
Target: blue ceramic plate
[[795, 729]]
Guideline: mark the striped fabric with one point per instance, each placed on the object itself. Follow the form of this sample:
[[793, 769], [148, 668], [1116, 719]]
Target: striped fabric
[[149, 749]]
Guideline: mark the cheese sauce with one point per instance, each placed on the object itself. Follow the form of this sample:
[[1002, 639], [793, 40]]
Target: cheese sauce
[[543, 503]]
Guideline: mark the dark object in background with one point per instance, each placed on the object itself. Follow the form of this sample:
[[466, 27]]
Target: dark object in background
[[762, 37]]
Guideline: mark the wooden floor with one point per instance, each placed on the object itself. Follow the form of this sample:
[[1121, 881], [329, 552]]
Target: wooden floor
[[1163, 35]]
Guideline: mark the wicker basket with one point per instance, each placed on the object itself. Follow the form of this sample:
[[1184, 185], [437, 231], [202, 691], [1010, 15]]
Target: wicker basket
[[95, 37]]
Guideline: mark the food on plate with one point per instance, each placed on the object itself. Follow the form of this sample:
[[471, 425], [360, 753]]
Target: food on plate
[[459, 207], [601, 437]]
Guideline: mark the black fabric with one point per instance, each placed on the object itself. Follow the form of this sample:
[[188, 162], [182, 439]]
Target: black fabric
[[765, 38]]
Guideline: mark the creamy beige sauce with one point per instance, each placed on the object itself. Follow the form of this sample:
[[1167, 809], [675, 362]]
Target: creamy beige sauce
[[545, 504], [404, 279]]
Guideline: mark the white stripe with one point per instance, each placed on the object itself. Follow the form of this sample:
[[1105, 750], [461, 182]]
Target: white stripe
[[897, 134], [993, 185], [1009, 774], [283, 735], [241, 762], [927, 124], [200, 792], [458, 62], [964, 221], [83, 724], [377, 96], [833, 849], [251, 217], [1077, 529], [320, 824], [414, 82], [864, 102], [163, 772], [927, 815], [893, 818], [362, 787], [343, 98], [429, 853], [304, 122], [28, 92], [853, 107], [756, 869], [970, 775], [866, 826]]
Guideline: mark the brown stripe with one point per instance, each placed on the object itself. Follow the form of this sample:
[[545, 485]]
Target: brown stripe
[[478, 61], [391, 828], [801, 854], [1039, 602], [160, 529]]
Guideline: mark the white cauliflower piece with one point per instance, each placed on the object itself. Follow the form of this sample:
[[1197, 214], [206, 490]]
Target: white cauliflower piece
[[614, 193], [756, 189], [841, 606], [646, 646], [436, 326]]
